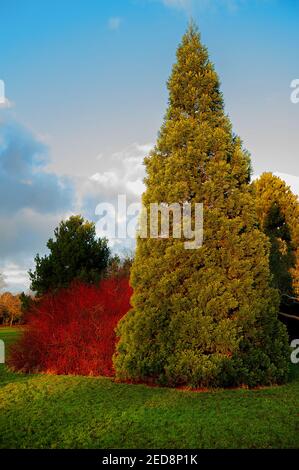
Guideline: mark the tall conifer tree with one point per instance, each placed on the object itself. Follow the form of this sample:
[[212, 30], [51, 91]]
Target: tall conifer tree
[[207, 316], [275, 200]]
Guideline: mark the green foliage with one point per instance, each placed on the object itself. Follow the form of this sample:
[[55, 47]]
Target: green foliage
[[203, 317], [119, 267], [48, 411], [26, 302], [278, 214], [75, 253], [282, 257]]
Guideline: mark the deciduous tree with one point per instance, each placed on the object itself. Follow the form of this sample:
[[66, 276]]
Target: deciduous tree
[[10, 309]]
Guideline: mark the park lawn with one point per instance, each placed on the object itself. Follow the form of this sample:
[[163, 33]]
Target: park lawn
[[47, 411]]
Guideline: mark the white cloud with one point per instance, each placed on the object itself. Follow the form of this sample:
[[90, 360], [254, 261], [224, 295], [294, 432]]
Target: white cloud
[[291, 180], [106, 179], [123, 172], [114, 23], [35, 200], [6, 104], [24, 181], [2, 281], [144, 148], [136, 187], [15, 276], [22, 235], [189, 5]]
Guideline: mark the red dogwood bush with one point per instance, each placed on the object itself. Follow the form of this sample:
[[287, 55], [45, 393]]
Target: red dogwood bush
[[73, 330]]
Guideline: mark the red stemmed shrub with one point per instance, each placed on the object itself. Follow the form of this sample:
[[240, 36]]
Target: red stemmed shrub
[[73, 330]]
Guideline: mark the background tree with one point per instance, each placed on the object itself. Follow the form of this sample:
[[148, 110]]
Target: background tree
[[282, 257], [27, 301], [10, 309], [119, 266], [278, 214], [75, 253], [206, 316]]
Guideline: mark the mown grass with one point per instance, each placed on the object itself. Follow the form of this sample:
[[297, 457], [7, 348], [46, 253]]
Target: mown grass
[[44, 411]]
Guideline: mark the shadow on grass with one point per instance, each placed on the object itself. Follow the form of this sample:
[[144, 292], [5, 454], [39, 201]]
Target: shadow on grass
[[82, 412]]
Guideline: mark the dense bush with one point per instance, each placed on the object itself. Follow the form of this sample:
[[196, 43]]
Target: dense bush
[[72, 331]]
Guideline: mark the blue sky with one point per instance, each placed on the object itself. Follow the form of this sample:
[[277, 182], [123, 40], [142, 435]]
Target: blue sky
[[86, 88]]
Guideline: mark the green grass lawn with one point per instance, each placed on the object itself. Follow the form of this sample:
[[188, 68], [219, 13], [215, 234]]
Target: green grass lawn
[[44, 411]]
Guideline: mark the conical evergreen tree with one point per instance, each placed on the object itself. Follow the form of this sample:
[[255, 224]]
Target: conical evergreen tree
[[207, 316]]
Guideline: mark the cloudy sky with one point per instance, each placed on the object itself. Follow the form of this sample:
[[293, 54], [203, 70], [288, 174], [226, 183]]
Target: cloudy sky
[[85, 95]]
